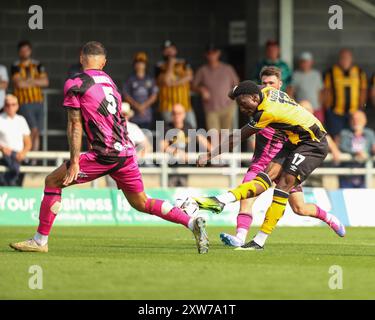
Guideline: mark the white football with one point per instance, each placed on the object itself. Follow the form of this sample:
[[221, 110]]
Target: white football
[[189, 205]]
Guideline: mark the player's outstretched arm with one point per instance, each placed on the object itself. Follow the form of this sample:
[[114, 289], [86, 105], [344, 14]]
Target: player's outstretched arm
[[227, 145], [74, 133]]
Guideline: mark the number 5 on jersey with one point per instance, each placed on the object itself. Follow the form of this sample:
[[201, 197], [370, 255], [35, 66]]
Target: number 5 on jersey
[[112, 104]]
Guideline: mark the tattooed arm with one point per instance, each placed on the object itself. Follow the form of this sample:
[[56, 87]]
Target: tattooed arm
[[74, 133]]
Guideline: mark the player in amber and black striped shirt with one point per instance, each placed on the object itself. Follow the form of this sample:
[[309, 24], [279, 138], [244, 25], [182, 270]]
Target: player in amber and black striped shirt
[[29, 77]]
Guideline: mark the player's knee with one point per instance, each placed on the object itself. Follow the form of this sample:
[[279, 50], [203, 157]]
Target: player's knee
[[286, 182]]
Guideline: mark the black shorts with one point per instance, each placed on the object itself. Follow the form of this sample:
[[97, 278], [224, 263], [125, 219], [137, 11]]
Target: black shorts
[[301, 160]]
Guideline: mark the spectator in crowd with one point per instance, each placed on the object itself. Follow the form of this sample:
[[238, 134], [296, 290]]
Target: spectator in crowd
[[177, 142], [333, 148], [273, 59], [174, 76], [345, 92], [29, 77], [213, 81], [141, 92], [4, 81], [359, 141], [307, 84], [136, 135], [15, 141]]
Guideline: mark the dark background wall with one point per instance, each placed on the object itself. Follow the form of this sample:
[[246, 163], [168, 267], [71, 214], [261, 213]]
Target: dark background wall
[[128, 26], [123, 26]]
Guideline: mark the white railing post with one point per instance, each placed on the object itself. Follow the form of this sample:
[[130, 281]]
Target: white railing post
[[164, 170], [369, 168]]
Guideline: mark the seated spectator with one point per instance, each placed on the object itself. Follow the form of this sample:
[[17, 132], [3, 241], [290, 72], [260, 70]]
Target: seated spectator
[[359, 141], [140, 91], [307, 84], [213, 81], [273, 59], [174, 76], [29, 77], [177, 142], [136, 135], [4, 81], [345, 92], [15, 141]]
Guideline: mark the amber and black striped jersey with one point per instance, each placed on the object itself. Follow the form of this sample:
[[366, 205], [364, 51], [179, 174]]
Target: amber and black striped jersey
[[170, 95], [344, 88], [33, 70], [280, 112]]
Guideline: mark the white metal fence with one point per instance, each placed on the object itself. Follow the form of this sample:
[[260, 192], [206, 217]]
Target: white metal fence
[[231, 166]]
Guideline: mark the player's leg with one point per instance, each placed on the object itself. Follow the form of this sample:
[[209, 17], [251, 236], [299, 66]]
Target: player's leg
[[244, 220], [244, 217], [90, 169], [300, 207], [129, 180], [251, 189], [299, 164], [49, 208], [274, 212]]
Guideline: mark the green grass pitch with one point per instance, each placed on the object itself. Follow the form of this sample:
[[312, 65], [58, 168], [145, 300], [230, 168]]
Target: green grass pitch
[[162, 263]]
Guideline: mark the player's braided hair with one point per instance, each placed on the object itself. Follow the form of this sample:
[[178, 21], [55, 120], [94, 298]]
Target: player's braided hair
[[93, 48]]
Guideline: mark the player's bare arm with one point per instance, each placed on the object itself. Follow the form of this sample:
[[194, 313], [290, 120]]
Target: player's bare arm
[[74, 133], [228, 144]]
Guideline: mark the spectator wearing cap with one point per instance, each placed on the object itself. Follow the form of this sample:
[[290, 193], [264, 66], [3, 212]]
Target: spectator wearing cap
[[307, 84], [359, 141], [345, 92], [15, 140], [213, 81], [273, 59], [174, 76], [4, 81], [140, 91]]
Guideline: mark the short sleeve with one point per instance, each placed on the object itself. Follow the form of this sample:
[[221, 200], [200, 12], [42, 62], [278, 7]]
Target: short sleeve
[[198, 78], [4, 74], [24, 127], [319, 80], [363, 80], [327, 80], [138, 135], [72, 93], [41, 68], [234, 76], [126, 88], [154, 88], [260, 120], [14, 69]]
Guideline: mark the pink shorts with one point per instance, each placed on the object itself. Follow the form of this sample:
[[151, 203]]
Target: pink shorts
[[265, 151], [124, 171]]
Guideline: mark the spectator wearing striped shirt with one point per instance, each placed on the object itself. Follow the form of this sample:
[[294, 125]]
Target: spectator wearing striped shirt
[[174, 76], [29, 78]]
